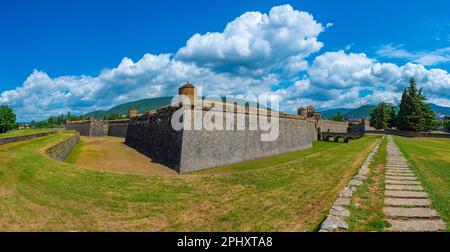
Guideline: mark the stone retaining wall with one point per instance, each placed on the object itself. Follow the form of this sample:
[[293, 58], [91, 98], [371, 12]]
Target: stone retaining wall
[[118, 128], [333, 126], [374, 132], [61, 150], [415, 134], [99, 128], [84, 127], [6, 140]]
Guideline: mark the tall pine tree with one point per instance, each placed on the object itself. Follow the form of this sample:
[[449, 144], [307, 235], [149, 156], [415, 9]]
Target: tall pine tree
[[428, 114], [414, 114], [380, 116]]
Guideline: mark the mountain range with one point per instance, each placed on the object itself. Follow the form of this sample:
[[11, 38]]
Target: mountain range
[[155, 103]]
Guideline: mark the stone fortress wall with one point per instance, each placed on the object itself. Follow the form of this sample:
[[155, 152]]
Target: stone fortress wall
[[99, 128], [152, 135], [203, 149], [118, 128], [83, 127], [190, 150], [332, 126]]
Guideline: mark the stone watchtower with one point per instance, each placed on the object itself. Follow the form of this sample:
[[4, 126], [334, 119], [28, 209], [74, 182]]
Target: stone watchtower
[[302, 112], [310, 111], [132, 112], [190, 91]]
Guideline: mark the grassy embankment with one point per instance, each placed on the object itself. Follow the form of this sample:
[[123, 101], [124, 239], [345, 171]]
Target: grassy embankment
[[318, 147], [366, 210], [38, 193], [14, 133], [430, 161]]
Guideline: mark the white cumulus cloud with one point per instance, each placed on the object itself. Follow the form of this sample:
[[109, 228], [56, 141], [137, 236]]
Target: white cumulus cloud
[[256, 42], [339, 79], [41, 96], [257, 53]]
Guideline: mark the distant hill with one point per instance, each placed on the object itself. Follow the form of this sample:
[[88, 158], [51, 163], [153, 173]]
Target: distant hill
[[358, 113], [330, 114], [142, 106], [364, 111], [440, 109], [150, 104]]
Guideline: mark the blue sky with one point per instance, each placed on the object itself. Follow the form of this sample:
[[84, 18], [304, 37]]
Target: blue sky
[[64, 45]]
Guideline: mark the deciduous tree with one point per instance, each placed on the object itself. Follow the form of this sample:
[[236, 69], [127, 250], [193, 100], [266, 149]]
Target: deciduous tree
[[7, 119]]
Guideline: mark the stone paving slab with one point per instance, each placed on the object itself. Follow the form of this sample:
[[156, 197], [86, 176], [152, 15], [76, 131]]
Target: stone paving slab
[[355, 182], [404, 187], [398, 168], [401, 182], [399, 171], [343, 201], [346, 192], [413, 212], [400, 174], [405, 194], [340, 211], [402, 178], [407, 174], [416, 225], [407, 202], [334, 222]]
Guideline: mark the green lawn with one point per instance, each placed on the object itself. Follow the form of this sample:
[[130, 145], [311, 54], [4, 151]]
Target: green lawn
[[318, 147], [38, 193], [430, 160], [366, 209], [23, 132]]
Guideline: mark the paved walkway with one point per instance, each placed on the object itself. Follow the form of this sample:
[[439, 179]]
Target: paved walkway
[[406, 206]]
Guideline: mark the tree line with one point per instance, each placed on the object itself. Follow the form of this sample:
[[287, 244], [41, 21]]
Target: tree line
[[414, 113]]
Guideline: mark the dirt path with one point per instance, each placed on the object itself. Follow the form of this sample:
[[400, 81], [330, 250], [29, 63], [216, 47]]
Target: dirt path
[[111, 154]]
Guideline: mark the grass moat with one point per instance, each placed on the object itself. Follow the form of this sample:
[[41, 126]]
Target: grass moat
[[289, 192]]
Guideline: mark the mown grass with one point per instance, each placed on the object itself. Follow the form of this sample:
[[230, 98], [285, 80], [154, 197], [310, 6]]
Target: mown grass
[[38, 193], [23, 132], [73, 155], [430, 161], [366, 209], [318, 147]]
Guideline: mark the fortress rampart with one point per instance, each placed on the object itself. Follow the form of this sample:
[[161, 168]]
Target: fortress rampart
[[98, 128], [189, 150]]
